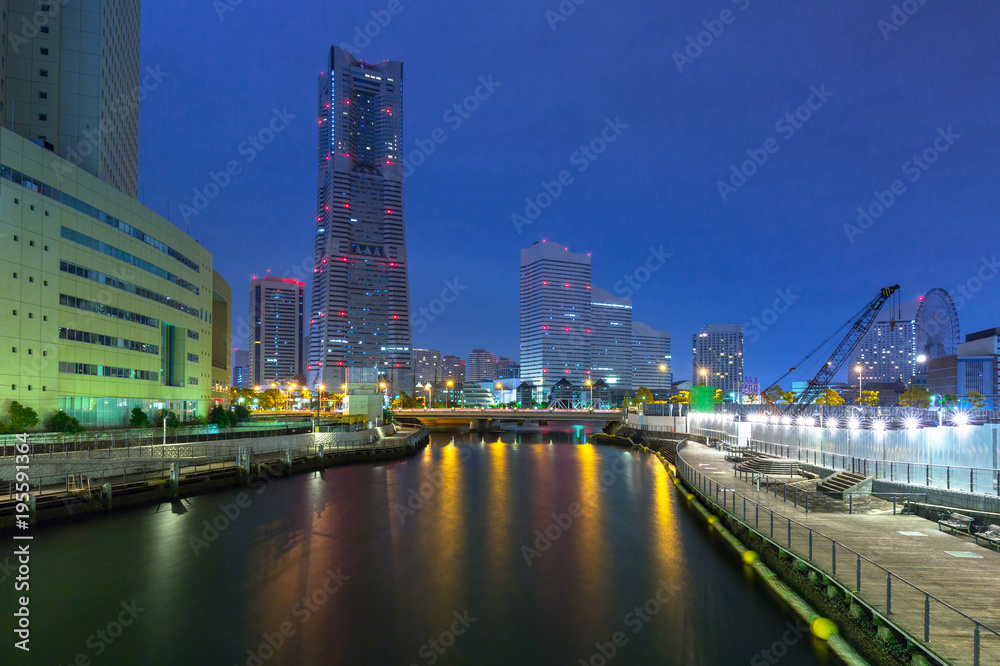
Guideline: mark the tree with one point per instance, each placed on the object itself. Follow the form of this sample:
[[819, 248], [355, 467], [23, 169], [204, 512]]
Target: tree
[[719, 395], [830, 397], [915, 396], [21, 417], [219, 416], [643, 395], [237, 414], [62, 422], [977, 400], [271, 398], [868, 398], [682, 398], [139, 419], [404, 401], [775, 393]]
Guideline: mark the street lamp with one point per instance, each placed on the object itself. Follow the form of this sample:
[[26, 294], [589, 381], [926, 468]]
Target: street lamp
[[704, 376], [427, 387], [591, 385], [385, 396], [663, 369], [450, 384], [321, 388], [859, 369], [499, 388]]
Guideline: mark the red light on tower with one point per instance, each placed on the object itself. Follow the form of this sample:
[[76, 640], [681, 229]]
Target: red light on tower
[[545, 328]]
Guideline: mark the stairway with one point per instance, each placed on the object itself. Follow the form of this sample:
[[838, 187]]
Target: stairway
[[838, 484], [769, 466]]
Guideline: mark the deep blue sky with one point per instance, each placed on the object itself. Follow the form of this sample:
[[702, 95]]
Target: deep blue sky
[[655, 185]]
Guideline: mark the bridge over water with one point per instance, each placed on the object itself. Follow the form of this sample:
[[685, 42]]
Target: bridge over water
[[483, 418]]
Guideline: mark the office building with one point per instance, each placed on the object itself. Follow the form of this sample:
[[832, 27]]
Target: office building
[[611, 339], [555, 316], [507, 368], [70, 82], [359, 322], [277, 316], [650, 358], [428, 369], [241, 369], [453, 369], [718, 357], [975, 368], [107, 306], [480, 366]]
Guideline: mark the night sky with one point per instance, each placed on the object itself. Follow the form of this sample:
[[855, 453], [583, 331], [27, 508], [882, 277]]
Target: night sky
[[880, 96]]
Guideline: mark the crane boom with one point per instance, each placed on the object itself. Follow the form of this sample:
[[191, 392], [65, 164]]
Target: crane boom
[[843, 350]]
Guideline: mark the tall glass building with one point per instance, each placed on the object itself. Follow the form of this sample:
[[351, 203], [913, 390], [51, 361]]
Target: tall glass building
[[611, 342], [276, 324], [359, 322], [555, 317]]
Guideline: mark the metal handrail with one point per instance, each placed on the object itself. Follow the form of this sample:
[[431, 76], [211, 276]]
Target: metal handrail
[[702, 480]]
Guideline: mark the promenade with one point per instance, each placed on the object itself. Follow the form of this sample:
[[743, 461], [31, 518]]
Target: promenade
[[946, 568]]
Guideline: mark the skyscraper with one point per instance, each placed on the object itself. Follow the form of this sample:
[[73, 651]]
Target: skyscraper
[[480, 366], [360, 316], [453, 369], [650, 353], [718, 350], [70, 82], [427, 366], [555, 316], [507, 368], [611, 341], [276, 324], [241, 369]]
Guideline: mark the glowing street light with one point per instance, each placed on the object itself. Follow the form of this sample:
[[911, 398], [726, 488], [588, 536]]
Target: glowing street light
[[591, 385], [859, 369], [319, 403], [704, 376], [450, 384]]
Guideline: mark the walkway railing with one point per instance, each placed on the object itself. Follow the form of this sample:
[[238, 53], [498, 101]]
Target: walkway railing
[[916, 611], [949, 477]]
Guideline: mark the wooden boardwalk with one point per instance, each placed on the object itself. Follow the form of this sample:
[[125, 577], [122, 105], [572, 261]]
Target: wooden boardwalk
[[950, 567]]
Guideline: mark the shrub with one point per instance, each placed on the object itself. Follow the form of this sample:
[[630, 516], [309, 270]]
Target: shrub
[[139, 419], [62, 422], [239, 413], [219, 416], [172, 420], [21, 417]]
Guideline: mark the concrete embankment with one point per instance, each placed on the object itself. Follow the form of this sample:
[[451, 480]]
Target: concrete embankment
[[134, 478]]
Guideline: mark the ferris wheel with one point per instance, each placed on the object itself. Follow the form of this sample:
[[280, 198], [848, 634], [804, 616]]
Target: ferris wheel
[[937, 325]]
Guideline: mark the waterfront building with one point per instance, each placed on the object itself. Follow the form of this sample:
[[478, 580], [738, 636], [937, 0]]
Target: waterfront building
[[555, 316], [359, 322], [718, 350], [611, 350], [277, 314], [108, 306], [73, 84], [651, 358]]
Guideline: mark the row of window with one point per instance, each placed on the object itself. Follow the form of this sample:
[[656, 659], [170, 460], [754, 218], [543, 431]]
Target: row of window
[[107, 371], [193, 358], [47, 190], [107, 341], [111, 251], [101, 308], [105, 279]]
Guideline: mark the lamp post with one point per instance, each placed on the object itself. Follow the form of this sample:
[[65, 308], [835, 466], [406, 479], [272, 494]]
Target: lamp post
[[319, 403], [343, 387], [859, 369], [450, 384], [704, 376], [663, 369], [499, 388], [591, 385], [385, 396], [427, 387]]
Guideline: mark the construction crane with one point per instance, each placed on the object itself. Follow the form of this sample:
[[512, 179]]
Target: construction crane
[[859, 325]]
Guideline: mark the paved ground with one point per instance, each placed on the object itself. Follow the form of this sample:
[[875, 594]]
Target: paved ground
[[951, 568]]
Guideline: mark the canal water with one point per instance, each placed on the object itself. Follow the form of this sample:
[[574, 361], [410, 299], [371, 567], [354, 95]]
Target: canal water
[[521, 547]]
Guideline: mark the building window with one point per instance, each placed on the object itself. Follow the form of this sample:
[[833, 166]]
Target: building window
[[44, 29], [43, 116], [15, 276], [43, 72], [42, 94], [43, 51]]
